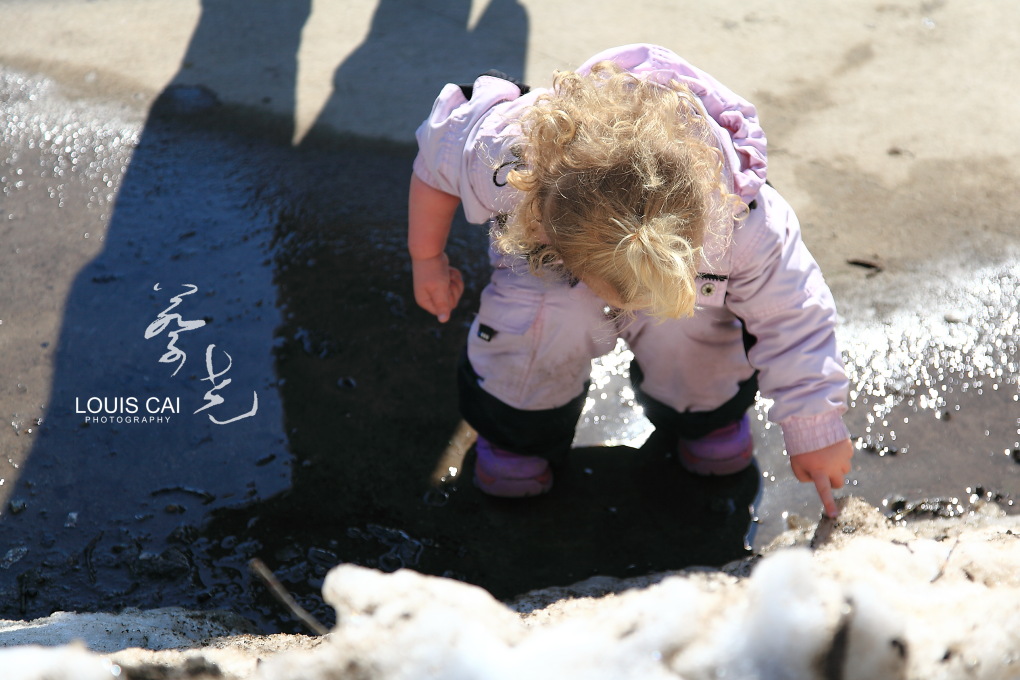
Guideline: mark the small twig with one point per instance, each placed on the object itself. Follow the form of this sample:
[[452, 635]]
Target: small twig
[[873, 266], [942, 569], [259, 568], [90, 567], [206, 497]]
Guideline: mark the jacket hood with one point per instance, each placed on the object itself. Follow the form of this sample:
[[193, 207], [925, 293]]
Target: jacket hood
[[740, 135]]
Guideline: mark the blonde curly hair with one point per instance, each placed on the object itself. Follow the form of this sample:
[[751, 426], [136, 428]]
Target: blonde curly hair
[[621, 180]]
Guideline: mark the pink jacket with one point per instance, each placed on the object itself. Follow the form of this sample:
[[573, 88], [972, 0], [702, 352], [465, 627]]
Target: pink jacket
[[759, 269]]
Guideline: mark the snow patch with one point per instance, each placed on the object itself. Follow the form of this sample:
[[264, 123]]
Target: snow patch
[[859, 597]]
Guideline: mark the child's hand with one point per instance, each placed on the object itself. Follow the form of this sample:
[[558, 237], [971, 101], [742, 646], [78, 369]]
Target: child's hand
[[437, 285], [826, 468]]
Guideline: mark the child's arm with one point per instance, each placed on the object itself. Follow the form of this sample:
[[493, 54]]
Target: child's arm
[[777, 288], [826, 468], [437, 285]]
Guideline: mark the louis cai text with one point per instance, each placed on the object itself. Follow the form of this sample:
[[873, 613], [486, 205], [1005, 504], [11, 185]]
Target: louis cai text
[[127, 405]]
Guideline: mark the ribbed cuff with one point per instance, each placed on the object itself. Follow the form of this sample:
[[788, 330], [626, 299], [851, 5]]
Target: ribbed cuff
[[812, 433]]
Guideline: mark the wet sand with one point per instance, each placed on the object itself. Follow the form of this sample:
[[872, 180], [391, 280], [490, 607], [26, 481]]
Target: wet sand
[[179, 175]]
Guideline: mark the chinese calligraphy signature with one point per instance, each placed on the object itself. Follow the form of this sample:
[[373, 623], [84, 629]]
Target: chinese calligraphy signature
[[174, 324]]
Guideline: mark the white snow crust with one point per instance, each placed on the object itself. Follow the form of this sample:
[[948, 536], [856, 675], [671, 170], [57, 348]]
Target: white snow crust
[[856, 598]]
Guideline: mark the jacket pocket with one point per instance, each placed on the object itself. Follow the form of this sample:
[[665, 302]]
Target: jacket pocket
[[508, 305]]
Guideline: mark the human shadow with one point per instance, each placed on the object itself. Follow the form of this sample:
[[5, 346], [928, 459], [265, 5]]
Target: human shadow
[[180, 310], [249, 50], [411, 50], [163, 403]]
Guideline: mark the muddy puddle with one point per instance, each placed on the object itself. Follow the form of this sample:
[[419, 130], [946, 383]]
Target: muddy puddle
[[210, 353]]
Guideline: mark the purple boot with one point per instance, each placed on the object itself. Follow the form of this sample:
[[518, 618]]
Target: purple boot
[[725, 451], [499, 472]]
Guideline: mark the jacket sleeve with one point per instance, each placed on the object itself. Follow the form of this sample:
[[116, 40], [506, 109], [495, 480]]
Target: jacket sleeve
[[465, 141], [776, 288]]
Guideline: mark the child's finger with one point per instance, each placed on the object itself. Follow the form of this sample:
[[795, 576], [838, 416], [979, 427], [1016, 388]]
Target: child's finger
[[450, 295], [824, 487], [456, 285], [431, 301], [456, 279], [437, 302], [443, 309]]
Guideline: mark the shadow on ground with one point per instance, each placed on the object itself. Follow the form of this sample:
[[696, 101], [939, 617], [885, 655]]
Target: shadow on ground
[[300, 262]]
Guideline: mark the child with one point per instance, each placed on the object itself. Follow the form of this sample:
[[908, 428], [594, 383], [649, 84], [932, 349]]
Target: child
[[627, 201]]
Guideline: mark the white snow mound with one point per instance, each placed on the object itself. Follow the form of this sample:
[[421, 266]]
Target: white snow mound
[[856, 598]]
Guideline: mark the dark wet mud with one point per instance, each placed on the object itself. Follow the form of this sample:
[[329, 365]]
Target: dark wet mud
[[294, 260]]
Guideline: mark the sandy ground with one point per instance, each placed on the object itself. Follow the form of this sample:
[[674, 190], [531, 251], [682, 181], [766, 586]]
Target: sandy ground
[[885, 132], [882, 117]]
